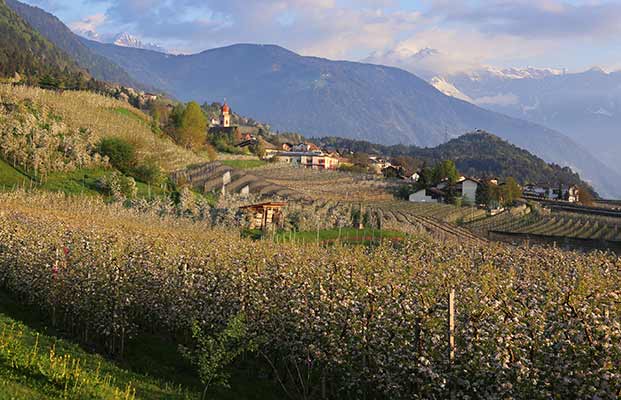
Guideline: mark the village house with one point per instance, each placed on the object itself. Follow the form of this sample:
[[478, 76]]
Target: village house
[[563, 193], [378, 165], [431, 195], [465, 188], [314, 159]]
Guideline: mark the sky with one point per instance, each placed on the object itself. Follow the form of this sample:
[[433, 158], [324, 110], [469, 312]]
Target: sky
[[443, 35]]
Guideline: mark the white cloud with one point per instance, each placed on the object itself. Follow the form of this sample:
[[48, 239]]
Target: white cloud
[[467, 33], [90, 23]]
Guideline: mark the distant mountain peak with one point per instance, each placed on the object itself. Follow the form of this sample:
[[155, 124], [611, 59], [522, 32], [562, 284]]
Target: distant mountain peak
[[125, 39], [515, 73], [596, 70]]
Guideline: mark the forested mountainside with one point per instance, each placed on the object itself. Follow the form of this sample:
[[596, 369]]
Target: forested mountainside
[[35, 60], [59, 34], [475, 154], [586, 106]]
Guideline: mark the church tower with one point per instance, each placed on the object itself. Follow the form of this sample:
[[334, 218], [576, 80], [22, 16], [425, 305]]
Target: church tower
[[225, 117]]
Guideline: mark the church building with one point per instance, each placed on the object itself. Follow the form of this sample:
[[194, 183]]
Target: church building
[[225, 116]]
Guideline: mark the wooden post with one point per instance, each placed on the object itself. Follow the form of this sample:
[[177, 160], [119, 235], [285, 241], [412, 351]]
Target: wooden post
[[451, 336]]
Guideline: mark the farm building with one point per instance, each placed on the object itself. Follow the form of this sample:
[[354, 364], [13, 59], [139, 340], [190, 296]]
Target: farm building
[[314, 159], [265, 216], [561, 193], [466, 188], [431, 195]]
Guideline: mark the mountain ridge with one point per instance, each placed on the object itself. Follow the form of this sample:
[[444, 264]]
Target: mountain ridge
[[26, 56], [585, 105], [494, 158], [320, 97], [54, 30]]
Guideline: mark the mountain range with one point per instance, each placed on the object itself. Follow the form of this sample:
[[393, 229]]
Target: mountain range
[[586, 106], [320, 97], [59, 34], [27, 56], [127, 40]]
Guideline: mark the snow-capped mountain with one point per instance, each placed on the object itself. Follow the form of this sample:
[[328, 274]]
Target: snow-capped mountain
[[513, 73], [586, 106], [126, 40], [448, 89]]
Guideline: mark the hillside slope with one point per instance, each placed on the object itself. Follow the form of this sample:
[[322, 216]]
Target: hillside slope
[[95, 115], [56, 32], [320, 97], [475, 154], [25, 52]]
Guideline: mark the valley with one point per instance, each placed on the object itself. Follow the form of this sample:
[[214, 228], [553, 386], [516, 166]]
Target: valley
[[248, 222]]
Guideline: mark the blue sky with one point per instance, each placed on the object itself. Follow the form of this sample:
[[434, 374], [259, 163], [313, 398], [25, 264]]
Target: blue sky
[[572, 34]]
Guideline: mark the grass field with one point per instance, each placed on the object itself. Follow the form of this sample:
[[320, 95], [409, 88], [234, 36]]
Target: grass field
[[152, 367], [344, 236], [244, 164], [84, 182], [10, 177], [32, 377]]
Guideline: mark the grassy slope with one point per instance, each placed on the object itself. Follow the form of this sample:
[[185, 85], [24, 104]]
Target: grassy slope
[[20, 385], [10, 177], [244, 164], [151, 365], [107, 117], [84, 182]]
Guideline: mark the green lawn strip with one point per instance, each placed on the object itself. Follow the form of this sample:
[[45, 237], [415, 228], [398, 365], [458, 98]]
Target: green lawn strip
[[149, 192], [344, 235], [85, 182], [10, 177], [77, 182], [127, 113], [244, 164]]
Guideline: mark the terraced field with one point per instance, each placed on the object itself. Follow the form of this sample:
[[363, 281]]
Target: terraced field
[[329, 185], [328, 198], [555, 225], [438, 220], [217, 177]]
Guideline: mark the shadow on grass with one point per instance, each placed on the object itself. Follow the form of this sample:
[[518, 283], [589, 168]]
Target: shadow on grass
[[151, 363]]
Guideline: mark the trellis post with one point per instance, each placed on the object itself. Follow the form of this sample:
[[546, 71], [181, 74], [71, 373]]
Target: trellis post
[[451, 337]]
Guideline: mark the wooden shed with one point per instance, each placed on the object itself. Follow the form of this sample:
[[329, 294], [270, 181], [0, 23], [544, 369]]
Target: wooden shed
[[265, 216]]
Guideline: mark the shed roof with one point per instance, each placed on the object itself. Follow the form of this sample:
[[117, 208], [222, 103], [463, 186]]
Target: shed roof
[[270, 204]]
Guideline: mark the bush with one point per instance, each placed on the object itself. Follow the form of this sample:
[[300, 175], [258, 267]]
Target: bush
[[118, 186], [122, 154], [149, 172]]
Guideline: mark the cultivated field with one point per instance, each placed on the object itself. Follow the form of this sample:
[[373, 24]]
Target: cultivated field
[[339, 322], [102, 117], [328, 185], [561, 224], [438, 220]]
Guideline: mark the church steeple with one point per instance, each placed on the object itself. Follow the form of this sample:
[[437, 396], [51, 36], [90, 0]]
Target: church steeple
[[225, 116]]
